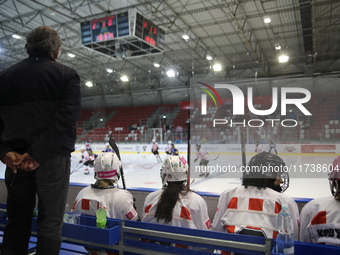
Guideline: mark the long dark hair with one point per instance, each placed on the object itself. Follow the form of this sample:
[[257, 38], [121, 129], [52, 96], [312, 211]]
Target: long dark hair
[[168, 200]]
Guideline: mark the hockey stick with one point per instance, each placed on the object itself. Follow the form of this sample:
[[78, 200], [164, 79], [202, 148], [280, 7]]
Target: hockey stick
[[215, 158], [76, 168], [116, 150], [146, 155]]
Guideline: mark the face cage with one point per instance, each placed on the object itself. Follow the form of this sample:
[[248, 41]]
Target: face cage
[[285, 177], [333, 185]]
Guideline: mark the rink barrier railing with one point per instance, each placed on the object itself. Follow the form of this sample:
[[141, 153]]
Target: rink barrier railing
[[126, 237]]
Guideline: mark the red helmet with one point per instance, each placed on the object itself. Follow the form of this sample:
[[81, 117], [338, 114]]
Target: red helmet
[[334, 175]]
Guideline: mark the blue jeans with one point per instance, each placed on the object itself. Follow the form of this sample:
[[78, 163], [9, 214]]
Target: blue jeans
[[50, 183]]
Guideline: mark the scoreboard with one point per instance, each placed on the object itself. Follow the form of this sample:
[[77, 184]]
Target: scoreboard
[[104, 29], [149, 32], [129, 30]]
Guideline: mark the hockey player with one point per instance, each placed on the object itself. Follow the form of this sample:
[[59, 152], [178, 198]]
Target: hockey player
[[108, 148], [154, 150], [87, 159], [88, 144], [175, 205], [252, 208], [320, 218], [174, 151], [258, 148], [118, 203], [203, 156], [168, 148], [272, 146]]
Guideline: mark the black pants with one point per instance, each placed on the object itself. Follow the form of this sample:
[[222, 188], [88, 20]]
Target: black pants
[[50, 182]]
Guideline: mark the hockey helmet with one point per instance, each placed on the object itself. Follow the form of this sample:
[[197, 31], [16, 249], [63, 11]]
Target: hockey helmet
[[153, 140], [169, 142], [198, 146], [107, 166], [334, 175], [174, 169], [266, 165]]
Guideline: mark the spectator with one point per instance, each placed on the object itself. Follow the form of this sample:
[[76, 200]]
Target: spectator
[[179, 129], [178, 141], [321, 215], [252, 208], [40, 104], [203, 140]]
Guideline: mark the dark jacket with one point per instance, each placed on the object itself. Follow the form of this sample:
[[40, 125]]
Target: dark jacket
[[40, 104]]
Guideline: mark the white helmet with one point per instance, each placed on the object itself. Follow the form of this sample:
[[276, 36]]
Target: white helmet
[[107, 166], [174, 169], [153, 140], [82, 148], [107, 144], [169, 142]]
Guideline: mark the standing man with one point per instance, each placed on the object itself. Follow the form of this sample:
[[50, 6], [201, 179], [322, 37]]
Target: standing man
[[40, 104]]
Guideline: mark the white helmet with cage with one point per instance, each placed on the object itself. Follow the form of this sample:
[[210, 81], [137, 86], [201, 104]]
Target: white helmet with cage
[[334, 175], [169, 142], [174, 169], [106, 166]]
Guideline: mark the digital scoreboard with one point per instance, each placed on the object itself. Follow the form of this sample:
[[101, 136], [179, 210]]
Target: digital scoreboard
[[149, 32], [104, 29], [123, 35]]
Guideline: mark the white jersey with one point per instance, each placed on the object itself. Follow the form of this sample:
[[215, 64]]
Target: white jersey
[[202, 154], [154, 146], [168, 148], [272, 145], [87, 157], [252, 209], [190, 211], [87, 145], [320, 221], [117, 202], [259, 148]]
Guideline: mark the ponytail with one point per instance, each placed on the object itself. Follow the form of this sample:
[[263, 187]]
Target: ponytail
[[168, 200]]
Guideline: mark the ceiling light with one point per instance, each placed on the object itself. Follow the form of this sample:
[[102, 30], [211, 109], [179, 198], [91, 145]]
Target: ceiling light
[[124, 78], [16, 36], [217, 67], [277, 46], [109, 70], [209, 57], [170, 73], [283, 58], [89, 84], [71, 55], [267, 20], [185, 37], [156, 64]]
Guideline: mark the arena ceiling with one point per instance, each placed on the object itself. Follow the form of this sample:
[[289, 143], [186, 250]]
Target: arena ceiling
[[233, 32]]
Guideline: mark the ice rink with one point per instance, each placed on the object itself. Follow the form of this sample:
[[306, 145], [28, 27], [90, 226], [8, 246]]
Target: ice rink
[[142, 171]]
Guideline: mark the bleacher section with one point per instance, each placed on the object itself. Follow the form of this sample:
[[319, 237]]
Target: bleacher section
[[127, 124], [324, 124]]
